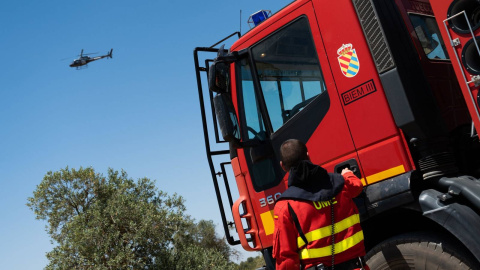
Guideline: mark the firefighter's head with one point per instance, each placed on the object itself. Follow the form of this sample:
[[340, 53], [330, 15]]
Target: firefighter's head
[[292, 152]]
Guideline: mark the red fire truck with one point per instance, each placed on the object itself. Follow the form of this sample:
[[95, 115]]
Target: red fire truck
[[387, 88]]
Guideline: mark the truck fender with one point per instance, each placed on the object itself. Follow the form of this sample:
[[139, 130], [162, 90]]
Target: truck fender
[[464, 186], [460, 220]]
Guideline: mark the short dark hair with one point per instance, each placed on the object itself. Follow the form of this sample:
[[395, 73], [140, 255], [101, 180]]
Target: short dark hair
[[292, 152]]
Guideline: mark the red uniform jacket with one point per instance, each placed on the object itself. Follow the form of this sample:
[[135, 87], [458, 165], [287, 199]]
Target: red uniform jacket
[[314, 217]]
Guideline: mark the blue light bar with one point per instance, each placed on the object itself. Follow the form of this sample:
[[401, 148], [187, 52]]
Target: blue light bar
[[259, 16]]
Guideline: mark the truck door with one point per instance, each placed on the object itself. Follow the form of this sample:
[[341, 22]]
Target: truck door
[[379, 143], [285, 89]]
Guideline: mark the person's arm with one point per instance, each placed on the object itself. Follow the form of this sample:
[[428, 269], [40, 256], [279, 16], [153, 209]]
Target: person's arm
[[353, 185], [285, 239]]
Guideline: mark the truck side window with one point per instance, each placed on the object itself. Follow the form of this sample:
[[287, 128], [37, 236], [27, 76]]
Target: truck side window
[[288, 70], [428, 33], [255, 128], [264, 173]]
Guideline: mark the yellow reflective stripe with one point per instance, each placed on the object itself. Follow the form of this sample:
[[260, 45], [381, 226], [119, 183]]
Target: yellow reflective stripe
[[385, 174], [327, 251], [267, 221], [327, 230], [363, 182]]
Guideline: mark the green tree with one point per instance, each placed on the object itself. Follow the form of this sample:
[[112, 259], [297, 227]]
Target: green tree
[[199, 248], [114, 222], [252, 263], [203, 234]]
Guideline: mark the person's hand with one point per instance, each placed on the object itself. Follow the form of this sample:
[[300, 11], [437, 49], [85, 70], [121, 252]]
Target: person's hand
[[346, 170]]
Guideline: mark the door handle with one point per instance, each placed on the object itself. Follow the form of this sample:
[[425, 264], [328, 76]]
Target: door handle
[[350, 164]]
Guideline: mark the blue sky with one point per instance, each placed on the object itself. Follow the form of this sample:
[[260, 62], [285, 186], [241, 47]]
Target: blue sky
[[138, 111]]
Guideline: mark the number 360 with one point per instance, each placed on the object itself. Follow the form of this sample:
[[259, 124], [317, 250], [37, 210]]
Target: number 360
[[269, 200]]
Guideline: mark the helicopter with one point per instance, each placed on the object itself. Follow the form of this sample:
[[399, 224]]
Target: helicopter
[[84, 59]]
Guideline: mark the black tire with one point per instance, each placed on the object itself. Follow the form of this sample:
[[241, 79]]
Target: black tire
[[420, 250]]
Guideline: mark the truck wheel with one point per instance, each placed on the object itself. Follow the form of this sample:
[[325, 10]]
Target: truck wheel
[[420, 250]]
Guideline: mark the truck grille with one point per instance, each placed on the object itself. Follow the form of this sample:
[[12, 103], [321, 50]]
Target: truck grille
[[374, 34]]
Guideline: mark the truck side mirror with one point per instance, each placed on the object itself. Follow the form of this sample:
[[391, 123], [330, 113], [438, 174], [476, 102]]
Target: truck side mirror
[[218, 79], [227, 119]]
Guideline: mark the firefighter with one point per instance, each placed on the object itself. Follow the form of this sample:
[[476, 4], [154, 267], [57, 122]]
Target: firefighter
[[317, 224]]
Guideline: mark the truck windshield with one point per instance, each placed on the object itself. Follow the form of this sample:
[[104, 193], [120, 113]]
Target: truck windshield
[[289, 72]]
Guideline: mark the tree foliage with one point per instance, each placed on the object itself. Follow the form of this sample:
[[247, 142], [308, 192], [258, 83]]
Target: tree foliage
[[252, 263], [114, 222]]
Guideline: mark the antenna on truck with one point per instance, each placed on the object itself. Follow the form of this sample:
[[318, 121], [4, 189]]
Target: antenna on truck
[[240, 22]]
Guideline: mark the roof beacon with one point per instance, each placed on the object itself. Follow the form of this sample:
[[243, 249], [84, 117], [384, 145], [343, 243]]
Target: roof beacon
[[258, 17]]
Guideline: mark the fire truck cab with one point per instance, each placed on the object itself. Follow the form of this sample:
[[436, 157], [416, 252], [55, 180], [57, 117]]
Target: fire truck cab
[[377, 86]]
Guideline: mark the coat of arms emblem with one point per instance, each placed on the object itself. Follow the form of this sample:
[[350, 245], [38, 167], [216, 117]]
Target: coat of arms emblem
[[348, 60]]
